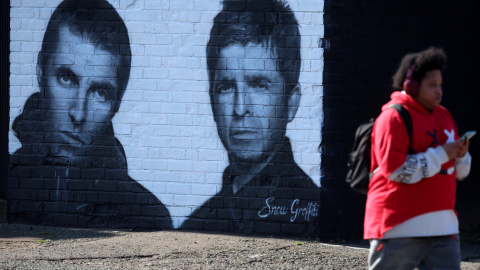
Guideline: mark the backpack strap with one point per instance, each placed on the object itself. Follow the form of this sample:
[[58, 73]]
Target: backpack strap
[[407, 119]]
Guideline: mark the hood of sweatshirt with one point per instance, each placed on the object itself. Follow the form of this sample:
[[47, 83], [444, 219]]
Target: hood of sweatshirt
[[400, 97]]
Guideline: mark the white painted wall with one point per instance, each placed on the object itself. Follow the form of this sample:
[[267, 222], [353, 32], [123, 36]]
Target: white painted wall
[[165, 121]]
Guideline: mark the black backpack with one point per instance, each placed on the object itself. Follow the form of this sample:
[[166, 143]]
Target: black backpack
[[358, 173]]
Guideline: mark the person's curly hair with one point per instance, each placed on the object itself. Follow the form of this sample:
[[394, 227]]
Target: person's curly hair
[[430, 59]]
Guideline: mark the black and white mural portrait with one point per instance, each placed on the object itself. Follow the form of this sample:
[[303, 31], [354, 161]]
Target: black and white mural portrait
[[253, 62], [200, 114], [71, 169]]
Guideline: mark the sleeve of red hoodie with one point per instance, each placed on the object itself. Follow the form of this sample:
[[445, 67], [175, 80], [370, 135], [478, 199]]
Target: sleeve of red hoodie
[[391, 144]]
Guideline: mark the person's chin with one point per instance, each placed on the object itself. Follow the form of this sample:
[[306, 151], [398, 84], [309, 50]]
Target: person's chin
[[72, 138], [436, 104], [63, 150], [66, 145], [246, 156]]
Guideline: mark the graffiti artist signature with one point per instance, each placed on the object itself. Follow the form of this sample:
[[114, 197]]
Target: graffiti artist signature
[[294, 210]]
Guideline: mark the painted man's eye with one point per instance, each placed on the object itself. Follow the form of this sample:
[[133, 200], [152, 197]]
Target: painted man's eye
[[66, 78], [99, 94], [224, 87], [259, 86], [102, 91]]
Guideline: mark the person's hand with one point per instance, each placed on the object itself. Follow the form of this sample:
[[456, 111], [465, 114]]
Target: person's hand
[[456, 149], [464, 149]]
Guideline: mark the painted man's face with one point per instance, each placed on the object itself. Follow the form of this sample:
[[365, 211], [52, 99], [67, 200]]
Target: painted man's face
[[251, 107], [81, 88]]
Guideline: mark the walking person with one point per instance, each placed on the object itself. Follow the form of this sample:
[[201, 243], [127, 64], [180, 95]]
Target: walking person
[[410, 218]]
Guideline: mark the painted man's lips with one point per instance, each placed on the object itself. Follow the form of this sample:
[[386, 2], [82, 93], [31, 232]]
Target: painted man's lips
[[73, 138], [244, 134]]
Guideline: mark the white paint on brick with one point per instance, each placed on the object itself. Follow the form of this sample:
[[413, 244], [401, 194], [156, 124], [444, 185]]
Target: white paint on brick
[[165, 121]]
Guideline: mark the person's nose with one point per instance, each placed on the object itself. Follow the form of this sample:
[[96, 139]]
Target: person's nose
[[439, 90], [240, 103], [78, 106]]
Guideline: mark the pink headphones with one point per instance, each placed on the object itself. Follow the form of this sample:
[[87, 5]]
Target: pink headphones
[[410, 85]]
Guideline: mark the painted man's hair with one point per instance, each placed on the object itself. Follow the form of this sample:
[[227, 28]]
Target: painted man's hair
[[269, 23], [424, 61], [97, 22]]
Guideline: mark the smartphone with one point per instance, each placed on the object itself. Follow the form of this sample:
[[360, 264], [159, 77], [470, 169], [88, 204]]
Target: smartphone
[[468, 134]]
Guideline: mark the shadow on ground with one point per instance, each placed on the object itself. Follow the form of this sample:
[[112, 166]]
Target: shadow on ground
[[19, 231]]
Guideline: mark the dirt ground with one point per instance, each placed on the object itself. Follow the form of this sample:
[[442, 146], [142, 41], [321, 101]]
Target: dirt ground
[[39, 247]]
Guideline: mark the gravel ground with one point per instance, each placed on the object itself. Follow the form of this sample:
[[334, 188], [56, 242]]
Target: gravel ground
[[40, 247]]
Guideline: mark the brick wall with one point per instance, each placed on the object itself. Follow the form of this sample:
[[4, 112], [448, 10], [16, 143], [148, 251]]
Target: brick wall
[[4, 158], [165, 121], [366, 40]]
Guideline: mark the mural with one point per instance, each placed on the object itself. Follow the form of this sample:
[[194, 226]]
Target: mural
[[253, 69], [69, 152], [151, 114]]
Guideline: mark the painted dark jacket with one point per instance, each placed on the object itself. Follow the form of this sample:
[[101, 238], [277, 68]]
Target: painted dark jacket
[[281, 193], [91, 189]]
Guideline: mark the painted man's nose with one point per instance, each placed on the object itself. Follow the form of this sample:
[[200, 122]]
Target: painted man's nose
[[240, 106], [77, 110]]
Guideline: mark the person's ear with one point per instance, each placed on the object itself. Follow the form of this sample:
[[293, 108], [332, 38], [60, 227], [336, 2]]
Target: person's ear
[[116, 106], [39, 75], [213, 106], [294, 102]]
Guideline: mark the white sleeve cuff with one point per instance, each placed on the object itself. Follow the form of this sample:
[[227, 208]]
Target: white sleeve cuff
[[464, 159], [441, 153], [420, 165], [462, 166]]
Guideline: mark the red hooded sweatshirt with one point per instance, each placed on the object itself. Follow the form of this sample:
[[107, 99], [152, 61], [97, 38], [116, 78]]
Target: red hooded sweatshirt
[[390, 203]]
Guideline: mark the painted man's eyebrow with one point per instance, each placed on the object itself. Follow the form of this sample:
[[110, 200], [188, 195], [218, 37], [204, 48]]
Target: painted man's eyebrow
[[258, 78], [226, 80], [66, 71], [102, 85]]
